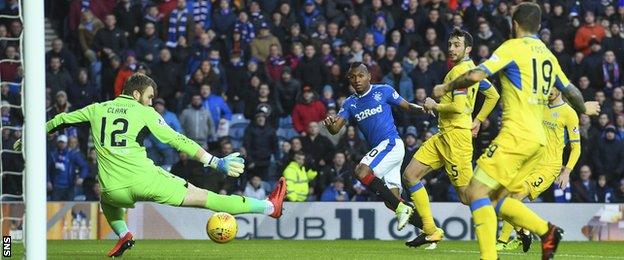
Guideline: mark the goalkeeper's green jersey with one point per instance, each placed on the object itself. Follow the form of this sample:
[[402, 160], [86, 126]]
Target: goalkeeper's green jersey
[[118, 128]]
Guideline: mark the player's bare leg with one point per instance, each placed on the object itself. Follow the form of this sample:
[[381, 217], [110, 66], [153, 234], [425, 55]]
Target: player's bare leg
[[403, 212], [201, 198]]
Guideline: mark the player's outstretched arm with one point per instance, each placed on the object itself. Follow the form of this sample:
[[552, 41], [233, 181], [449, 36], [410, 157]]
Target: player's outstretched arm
[[465, 80], [572, 126], [64, 120], [575, 99], [334, 124], [232, 165], [411, 107]]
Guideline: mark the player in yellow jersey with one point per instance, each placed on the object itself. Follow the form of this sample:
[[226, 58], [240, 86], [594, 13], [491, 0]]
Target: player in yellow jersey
[[451, 148], [561, 125], [528, 72]]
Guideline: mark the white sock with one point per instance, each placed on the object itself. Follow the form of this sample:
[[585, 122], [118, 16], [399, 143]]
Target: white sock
[[123, 234], [270, 208]]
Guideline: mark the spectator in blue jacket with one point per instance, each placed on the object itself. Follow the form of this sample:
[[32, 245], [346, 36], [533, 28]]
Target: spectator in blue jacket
[[219, 110], [163, 154], [148, 46], [66, 170], [335, 191]]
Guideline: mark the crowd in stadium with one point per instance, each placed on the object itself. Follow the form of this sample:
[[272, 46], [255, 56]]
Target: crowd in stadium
[[258, 76]]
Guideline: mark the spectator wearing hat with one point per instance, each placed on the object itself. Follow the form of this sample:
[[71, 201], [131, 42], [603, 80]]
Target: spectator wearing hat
[[310, 16], [608, 156], [260, 142], [66, 170], [588, 32], [328, 97], [311, 70], [197, 122], [163, 154], [57, 78], [261, 44], [410, 139], [287, 89], [307, 109], [335, 191]]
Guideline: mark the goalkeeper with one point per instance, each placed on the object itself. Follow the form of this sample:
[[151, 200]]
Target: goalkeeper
[[126, 175]]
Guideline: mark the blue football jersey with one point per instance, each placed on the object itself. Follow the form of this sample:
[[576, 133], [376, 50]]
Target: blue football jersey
[[373, 113]]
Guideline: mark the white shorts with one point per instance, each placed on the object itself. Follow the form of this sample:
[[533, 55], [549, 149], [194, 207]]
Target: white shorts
[[386, 160]]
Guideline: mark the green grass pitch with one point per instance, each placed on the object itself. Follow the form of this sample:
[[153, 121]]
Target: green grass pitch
[[312, 249]]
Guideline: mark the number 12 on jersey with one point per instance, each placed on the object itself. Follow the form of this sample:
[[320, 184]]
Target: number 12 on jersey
[[114, 142]]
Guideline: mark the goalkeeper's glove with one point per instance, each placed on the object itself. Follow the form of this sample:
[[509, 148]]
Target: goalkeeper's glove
[[232, 165]]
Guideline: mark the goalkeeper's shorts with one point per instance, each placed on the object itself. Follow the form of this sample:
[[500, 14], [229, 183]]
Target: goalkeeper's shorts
[[162, 187]]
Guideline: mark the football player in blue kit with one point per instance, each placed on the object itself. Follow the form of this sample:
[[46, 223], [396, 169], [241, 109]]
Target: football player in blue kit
[[380, 169]]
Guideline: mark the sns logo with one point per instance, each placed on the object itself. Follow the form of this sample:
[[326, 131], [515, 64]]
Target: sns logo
[[368, 112]]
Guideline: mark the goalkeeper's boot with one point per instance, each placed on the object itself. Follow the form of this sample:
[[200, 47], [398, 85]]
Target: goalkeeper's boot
[[500, 245], [550, 241], [122, 245], [277, 197], [404, 213], [526, 239], [423, 239]]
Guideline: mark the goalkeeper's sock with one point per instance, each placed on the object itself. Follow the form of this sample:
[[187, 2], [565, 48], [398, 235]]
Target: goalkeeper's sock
[[520, 215], [377, 186], [505, 232], [116, 219], [234, 204], [421, 203], [484, 218]]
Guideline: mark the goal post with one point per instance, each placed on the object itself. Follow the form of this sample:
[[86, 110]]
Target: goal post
[[34, 129]]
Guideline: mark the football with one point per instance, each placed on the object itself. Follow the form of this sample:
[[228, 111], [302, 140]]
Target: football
[[221, 227]]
